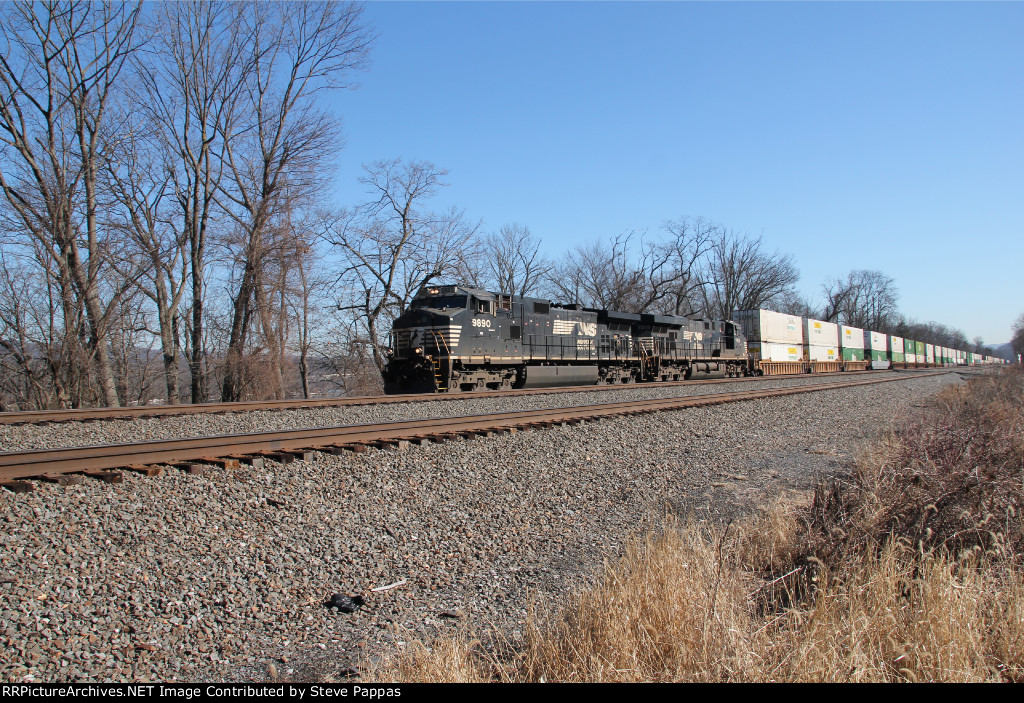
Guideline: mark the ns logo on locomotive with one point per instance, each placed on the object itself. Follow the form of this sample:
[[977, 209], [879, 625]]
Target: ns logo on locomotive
[[455, 338]]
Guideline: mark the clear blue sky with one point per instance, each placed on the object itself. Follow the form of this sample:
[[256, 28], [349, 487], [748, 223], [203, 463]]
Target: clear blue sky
[[887, 136]]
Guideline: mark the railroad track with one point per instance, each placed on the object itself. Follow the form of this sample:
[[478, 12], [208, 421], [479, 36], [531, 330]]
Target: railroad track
[[200, 454], [43, 417]]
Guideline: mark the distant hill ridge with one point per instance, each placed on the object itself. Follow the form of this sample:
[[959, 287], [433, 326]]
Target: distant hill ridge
[[1004, 351]]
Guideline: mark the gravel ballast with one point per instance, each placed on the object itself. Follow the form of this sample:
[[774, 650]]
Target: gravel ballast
[[224, 576], [79, 434]]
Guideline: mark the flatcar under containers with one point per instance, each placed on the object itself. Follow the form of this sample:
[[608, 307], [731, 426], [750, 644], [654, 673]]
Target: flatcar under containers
[[456, 338]]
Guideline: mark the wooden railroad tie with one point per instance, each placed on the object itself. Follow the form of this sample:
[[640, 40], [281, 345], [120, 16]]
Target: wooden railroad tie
[[192, 467], [287, 456], [18, 486], [253, 461], [105, 476], [224, 463], [400, 444], [62, 479], [144, 469]]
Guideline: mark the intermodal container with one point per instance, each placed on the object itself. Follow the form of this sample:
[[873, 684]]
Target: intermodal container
[[910, 351], [820, 334], [768, 326], [929, 353], [773, 351], [851, 341], [820, 352], [878, 343], [896, 349]]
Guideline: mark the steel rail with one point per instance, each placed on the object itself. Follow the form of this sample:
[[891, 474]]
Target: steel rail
[[36, 417], [37, 463]]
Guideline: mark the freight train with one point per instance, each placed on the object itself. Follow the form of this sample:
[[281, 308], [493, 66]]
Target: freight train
[[456, 338]]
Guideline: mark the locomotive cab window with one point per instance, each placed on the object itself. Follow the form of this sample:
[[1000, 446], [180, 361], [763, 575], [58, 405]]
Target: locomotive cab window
[[441, 302], [483, 307]]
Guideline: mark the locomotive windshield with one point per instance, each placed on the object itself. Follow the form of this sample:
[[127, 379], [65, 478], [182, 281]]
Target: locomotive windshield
[[441, 302]]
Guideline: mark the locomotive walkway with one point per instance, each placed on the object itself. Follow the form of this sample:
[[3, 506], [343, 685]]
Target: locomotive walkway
[[200, 454]]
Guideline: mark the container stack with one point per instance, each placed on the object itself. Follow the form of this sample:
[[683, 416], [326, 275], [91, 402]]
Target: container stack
[[878, 348], [897, 356], [929, 354], [822, 344], [910, 351], [920, 353], [851, 342], [774, 340]]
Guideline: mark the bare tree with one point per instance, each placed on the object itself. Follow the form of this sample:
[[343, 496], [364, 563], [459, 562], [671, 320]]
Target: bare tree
[[344, 356], [679, 283], [1018, 335], [277, 159], [792, 303], [59, 64], [512, 260], [393, 245], [740, 275], [931, 333], [652, 275], [37, 353], [191, 83], [311, 284], [156, 262], [865, 299]]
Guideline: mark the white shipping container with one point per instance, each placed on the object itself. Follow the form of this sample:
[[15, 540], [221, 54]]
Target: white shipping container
[[817, 352], [773, 351], [851, 337], [897, 344], [821, 334], [929, 353], [881, 364], [910, 358], [768, 326], [878, 341]]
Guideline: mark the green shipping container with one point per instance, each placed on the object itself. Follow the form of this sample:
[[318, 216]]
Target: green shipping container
[[898, 357], [852, 354], [920, 351], [879, 355]]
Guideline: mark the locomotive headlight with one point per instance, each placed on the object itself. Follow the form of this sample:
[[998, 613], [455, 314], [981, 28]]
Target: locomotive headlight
[[418, 351]]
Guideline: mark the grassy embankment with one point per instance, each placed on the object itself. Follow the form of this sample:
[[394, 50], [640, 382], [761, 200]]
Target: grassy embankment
[[909, 570]]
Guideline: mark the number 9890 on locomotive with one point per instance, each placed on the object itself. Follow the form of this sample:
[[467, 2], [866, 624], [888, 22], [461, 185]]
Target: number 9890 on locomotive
[[456, 338]]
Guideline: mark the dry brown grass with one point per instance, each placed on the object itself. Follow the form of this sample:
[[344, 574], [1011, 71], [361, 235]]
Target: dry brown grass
[[910, 571]]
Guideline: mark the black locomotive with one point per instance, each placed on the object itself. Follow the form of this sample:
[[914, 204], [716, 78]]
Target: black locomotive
[[455, 338]]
